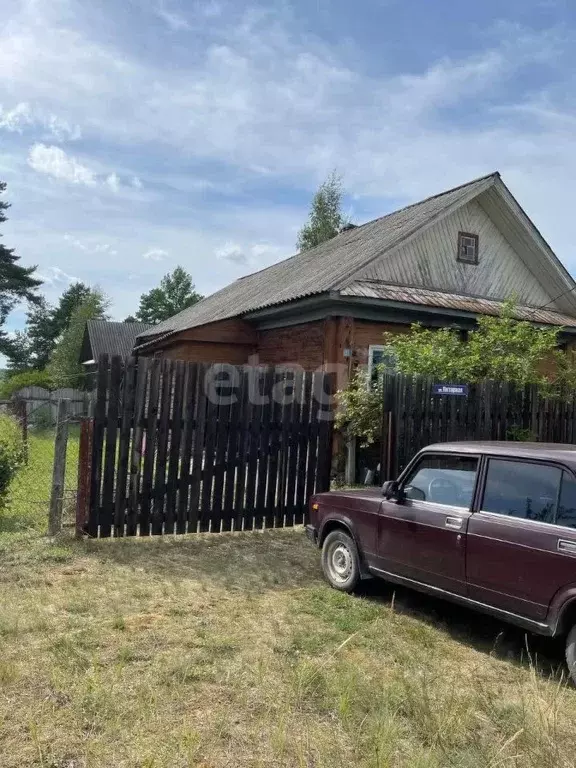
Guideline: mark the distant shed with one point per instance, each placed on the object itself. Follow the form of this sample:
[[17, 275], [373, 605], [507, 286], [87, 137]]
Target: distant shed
[[105, 337]]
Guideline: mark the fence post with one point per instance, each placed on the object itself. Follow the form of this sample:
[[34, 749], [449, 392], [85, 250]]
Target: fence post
[[21, 413], [59, 470], [388, 446], [84, 476], [350, 469]]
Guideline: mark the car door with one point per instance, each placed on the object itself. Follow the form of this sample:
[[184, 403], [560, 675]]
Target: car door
[[521, 543], [422, 536]]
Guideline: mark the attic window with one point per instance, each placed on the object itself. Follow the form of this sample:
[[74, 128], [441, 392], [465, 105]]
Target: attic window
[[467, 248]]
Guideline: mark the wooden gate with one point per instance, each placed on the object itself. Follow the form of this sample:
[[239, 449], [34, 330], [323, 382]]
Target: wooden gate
[[186, 447]]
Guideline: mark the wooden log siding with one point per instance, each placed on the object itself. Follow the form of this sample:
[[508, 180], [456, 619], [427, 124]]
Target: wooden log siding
[[186, 447]]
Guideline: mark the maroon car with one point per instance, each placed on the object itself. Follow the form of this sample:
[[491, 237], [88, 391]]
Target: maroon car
[[489, 525]]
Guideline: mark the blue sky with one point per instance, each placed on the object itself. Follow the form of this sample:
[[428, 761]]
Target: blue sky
[[140, 134]]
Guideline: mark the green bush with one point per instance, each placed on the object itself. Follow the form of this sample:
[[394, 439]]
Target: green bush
[[11, 452], [13, 383]]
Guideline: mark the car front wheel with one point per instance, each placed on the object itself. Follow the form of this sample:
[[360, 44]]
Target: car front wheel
[[340, 561], [571, 653]]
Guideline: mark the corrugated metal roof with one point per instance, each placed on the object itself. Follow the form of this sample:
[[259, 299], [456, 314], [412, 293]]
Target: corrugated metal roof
[[320, 269], [112, 338], [373, 289]]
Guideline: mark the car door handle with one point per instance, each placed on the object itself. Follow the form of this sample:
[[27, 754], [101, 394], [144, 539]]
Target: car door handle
[[454, 522], [565, 545]]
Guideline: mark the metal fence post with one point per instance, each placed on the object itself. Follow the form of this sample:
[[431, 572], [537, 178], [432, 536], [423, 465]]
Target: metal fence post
[[59, 471]]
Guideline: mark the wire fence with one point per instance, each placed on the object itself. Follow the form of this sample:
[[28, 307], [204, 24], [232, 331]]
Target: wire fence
[[28, 502]]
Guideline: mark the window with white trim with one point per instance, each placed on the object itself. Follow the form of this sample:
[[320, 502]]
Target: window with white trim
[[467, 247], [380, 358]]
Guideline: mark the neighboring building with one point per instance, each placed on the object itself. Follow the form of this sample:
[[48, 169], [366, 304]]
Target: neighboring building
[[442, 261], [103, 337]]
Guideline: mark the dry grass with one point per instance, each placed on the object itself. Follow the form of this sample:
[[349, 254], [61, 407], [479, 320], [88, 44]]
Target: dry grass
[[229, 650]]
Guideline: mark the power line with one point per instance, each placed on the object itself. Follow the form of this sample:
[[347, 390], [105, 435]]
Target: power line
[[560, 295]]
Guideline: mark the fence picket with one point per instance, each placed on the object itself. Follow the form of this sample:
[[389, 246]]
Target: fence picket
[[107, 504], [136, 453], [189, 426], [292, 450], [198, 451], [243, 447], [211, 428], [303, 449], [174, 438], [98, 445], [150, 447], [124, 446]]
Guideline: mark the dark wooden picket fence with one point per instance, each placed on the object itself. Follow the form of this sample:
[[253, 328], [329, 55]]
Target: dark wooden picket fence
[[183, 447], [414, 417]]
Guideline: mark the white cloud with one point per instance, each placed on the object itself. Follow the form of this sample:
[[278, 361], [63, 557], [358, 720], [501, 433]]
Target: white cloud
[[55, 276], [17, 118], [136, 182], [113, 181], [232, 252], [23, 116], [155, 254], [62, 130], [87, 247], [265, 98], [53, 161], [174, 21], [254, 254]]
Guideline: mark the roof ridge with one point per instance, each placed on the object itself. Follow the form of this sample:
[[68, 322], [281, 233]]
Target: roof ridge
[[245, 292], [354, 230]]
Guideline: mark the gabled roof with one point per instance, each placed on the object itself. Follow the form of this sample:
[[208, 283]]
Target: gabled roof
[[105, 337], [331, 266]]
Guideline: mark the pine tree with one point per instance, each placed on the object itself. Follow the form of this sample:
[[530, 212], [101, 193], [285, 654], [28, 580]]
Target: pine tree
[[16, 282], [31, 349]]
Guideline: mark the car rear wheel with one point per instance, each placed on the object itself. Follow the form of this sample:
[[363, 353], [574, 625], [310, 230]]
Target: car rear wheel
[[571, 653], [340, 561]]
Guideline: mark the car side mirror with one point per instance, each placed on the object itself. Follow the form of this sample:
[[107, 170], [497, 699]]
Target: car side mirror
[[391, 489]]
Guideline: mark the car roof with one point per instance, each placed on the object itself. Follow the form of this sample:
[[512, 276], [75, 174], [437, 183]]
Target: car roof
[[563, 451]]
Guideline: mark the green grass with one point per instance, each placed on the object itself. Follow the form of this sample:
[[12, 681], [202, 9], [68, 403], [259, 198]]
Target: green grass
[[230, 650], [29, 494]]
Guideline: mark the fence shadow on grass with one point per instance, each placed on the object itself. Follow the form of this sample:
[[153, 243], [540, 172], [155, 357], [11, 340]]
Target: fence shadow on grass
[[479, 631], [252, 561]]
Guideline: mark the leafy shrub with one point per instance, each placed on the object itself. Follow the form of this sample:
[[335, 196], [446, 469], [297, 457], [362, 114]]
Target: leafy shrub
[[11, 452], [12, 384], [360, 408]]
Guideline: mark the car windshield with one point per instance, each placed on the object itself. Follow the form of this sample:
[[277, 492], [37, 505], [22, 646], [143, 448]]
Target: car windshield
[[443, 480]]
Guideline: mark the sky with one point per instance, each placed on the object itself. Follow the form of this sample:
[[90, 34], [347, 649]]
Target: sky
[[136, 135]]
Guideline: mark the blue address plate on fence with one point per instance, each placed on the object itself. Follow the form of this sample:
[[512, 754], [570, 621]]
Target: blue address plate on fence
[[461, 390]]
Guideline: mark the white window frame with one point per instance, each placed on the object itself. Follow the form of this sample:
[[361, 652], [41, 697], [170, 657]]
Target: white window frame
[[375, 348]]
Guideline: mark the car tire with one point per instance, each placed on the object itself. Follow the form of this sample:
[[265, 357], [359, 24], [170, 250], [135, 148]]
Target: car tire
[[571, 653], [340, 561]]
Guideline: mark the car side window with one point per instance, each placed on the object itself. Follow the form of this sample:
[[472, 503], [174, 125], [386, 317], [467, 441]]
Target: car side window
[[522, 489], [443, 480], [566, 514]]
